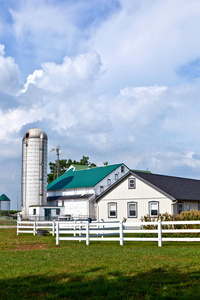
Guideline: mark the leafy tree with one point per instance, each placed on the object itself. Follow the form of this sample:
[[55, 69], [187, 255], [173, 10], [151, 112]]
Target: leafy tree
[[64, 164]]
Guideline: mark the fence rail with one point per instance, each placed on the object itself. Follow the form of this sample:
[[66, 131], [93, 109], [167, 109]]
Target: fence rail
[[33, 226], [112, 231]]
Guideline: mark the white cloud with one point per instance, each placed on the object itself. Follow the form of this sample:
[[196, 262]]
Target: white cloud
[[74, 73], [2, 52], [9, 74], [13, 120], [146, 41]]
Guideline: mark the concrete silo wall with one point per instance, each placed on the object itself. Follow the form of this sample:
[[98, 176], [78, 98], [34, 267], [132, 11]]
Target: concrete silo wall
[[34, 169]]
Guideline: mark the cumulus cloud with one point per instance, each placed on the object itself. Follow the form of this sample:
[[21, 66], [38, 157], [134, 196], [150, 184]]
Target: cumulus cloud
[[78, 72], [147, 41], [10, 81]]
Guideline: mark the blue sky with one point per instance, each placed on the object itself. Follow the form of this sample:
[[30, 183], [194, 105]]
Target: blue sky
[[113, 80]]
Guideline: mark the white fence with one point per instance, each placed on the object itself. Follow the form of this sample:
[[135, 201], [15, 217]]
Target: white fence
[[111, 231], [33, 226]]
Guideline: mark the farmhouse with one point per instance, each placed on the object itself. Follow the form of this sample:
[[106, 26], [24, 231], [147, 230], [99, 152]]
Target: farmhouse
[[140, 193], [114, 192], [77, 188]]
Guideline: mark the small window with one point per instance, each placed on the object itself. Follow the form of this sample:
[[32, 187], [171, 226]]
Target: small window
[[27, 135], [153, 209], [101, 189], [180, 207], [131, 183], [132, 210], [116, 176], [122, 169], [109, 181], [57, 211], [63, 203], [112, 210], [34, 211], [189, 207]]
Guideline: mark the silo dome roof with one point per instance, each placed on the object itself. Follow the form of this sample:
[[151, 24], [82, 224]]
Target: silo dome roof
[[35, 133]]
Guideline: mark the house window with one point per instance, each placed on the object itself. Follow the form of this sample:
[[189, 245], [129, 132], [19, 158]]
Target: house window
[[189, 207], [109, 181], [34, 211], [131, 183], [199, 206], [153, 208], [57, 211], [180, 207], [112, 210], [122, 169], [132, 210], [116, 176], [63, 203], [101, 189]]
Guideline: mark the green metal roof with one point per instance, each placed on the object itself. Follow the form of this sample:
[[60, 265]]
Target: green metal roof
[[81, 178], [3, 197], [142, 171], [79, 167]]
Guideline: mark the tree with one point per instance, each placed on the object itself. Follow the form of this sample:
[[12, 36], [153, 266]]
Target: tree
[[64, 164]]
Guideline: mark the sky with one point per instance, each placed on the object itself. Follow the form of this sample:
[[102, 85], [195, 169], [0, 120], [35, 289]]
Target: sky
[[115, 80]]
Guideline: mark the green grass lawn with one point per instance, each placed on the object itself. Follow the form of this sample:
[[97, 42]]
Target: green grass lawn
[[33, 267], [7, 221]]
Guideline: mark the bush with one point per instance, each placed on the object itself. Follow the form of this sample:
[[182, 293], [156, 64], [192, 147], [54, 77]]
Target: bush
[[162, 217], [191, 215]]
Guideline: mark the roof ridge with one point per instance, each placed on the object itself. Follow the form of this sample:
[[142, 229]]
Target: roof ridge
[[95, 167], [170, 176]]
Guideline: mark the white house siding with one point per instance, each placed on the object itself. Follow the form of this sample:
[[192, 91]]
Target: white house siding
[[76, 208], [40, 212], [69, 192], [111, 176], [142, 195]]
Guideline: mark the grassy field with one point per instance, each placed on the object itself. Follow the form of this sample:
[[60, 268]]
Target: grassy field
[[34, 267], [7, 221]]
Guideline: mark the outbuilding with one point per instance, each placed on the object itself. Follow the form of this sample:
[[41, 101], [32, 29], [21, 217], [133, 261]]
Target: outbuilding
[[4, 203]]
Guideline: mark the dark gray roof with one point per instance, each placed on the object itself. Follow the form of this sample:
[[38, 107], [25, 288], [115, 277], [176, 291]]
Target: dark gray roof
[[177, 187], [70, 197]]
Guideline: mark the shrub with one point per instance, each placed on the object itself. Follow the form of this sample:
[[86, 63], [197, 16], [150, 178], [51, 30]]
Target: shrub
[[190, 215], [162, 217]]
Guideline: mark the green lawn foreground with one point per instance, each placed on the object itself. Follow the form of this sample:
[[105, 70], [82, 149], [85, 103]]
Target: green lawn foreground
[[33, 267]]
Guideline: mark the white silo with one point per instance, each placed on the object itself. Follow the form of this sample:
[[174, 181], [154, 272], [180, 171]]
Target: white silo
[[34, 169]]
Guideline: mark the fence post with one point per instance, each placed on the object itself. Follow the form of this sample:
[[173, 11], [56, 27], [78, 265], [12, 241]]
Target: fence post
[[57, 233], [102, 231], [17, 227], [121, 233], [87, 233], [34, 227], [80, 233], [159, 233], [74, 228], [53, 229]]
